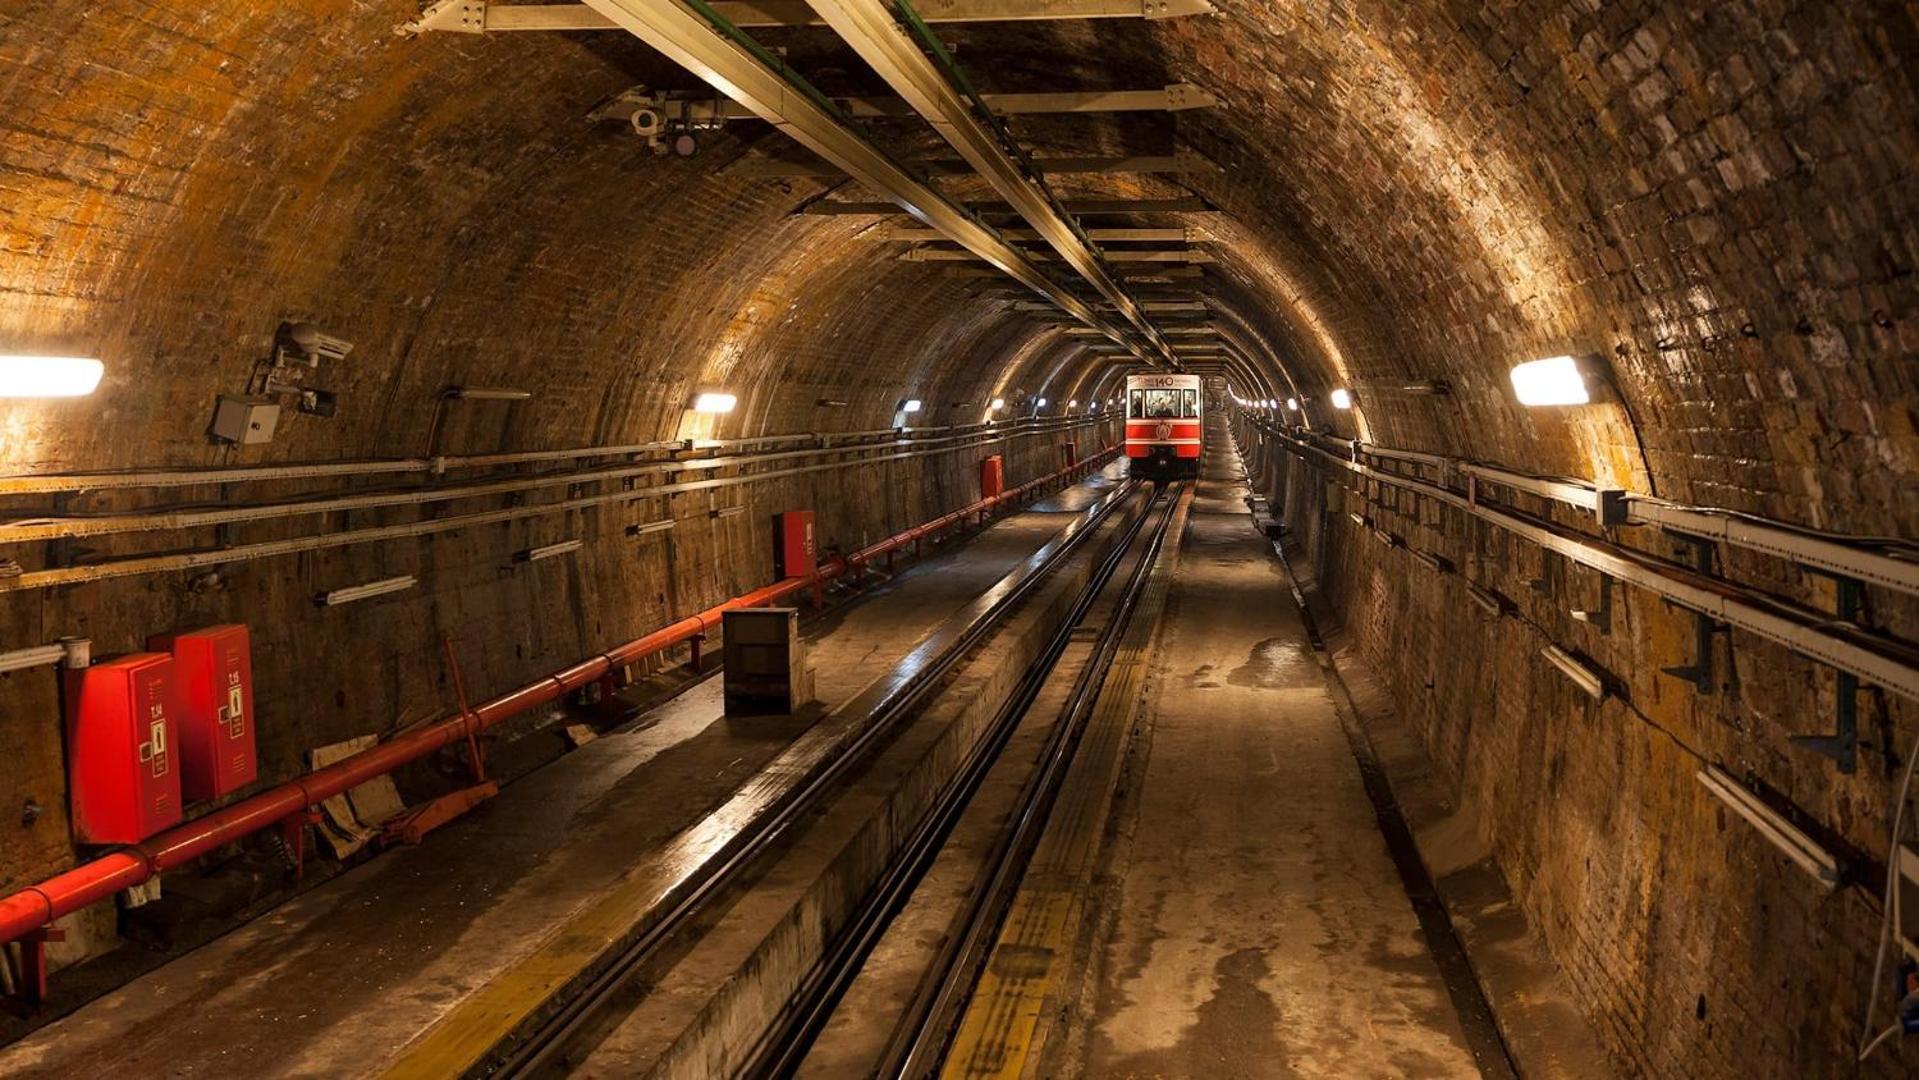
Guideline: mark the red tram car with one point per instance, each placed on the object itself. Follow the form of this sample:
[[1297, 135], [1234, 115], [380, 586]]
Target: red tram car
[[1163, 432]]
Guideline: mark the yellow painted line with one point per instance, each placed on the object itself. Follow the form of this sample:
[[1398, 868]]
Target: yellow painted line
[[1005, 1025]]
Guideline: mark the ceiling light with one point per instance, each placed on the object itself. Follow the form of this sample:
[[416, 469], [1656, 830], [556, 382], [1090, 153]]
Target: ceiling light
[[998, 403], [912, 405], [48, 376], [715, 403], [1342, 398], [1555, 380], [1292, 404], [1073, 404], [1040, 404]]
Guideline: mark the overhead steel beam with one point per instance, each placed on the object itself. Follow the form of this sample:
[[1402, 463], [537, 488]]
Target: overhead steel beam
[[1169, 236], [1143, 273], [995, 206], [1169, 331], [1153, 306], [1180, 256], [902, 60], [483, 17], [745, 74], [646, 109], [1051, 166]]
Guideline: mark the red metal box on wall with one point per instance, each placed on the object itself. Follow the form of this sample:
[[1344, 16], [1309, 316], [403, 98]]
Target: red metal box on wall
[[992, 477], [122, 749], [795, 551], [213, 671]]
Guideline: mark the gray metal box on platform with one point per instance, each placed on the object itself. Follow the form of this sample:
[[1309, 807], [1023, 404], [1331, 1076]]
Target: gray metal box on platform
[[766, 672]]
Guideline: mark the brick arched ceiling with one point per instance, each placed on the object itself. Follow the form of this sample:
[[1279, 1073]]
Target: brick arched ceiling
[[1407, 190]]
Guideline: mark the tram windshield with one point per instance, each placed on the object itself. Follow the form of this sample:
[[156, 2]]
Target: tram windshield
[[1170, 404]]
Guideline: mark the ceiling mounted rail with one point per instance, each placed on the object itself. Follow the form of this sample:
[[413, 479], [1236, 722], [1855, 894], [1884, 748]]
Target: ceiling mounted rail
[[483, 17], [1051, 166], [1184, 205], [699, 39], [917, 67]]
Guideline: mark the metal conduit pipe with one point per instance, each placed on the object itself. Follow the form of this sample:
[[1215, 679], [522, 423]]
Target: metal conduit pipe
[[138, 565], [1817, 635], [56, 528], [154, 478], [40, 904]]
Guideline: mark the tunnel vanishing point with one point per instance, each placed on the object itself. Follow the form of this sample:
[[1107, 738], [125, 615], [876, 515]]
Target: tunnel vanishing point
[[1310, 538]]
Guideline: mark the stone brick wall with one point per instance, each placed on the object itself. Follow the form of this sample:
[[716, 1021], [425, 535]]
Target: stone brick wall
[[1696, 948]]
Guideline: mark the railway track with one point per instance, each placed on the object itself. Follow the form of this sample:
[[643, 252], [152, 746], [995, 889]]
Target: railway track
[[924, 1026], [547, 1046]]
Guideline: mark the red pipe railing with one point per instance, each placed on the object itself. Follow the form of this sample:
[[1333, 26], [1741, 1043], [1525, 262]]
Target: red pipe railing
[[36, 906]]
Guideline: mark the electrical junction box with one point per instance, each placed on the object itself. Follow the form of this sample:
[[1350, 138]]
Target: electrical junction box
[[123, 773], [992, 477], [795, 551], [244, 420], [213, 674], [765, 672], [1905, 871]]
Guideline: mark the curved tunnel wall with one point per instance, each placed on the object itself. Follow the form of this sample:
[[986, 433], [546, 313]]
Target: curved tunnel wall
[[1717, 203]]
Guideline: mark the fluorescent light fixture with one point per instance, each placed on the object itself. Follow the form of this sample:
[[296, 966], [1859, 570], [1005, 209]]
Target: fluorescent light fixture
[[48, 376], [1555, 380], [715, 403], [726, 511], [651, 527], [912, 405], [998, 403], [1342, 398], [1771, 824], [1292, 404], [548, 551], [1486, 600], [363, 592], [1581, 674], [487, 393]]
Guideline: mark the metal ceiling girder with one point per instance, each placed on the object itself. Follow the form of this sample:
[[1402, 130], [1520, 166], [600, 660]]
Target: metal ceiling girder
[[1163, 275], [484, 17], [1204, 330], [1181, 256], [1187, 205], [705, 112], [1050, 166], [1169, 236], [1152, 306], [694, 43], [869, 26]]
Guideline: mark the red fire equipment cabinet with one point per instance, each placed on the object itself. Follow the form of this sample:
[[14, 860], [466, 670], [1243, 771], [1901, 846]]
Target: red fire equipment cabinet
[[123, 749], [992, 477], [795, 551], [213, 670]]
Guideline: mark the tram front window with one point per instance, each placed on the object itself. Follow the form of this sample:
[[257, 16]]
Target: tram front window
[[1163, 405]]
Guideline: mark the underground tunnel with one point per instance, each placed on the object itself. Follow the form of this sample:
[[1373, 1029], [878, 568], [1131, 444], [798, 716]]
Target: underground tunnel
[[832, 538]]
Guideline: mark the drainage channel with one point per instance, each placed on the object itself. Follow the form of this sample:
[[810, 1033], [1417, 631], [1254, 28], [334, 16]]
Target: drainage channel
[[523, 1022]]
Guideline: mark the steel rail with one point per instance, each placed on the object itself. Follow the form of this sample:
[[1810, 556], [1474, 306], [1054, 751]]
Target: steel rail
[[885, 703], [779, 1050], [726, 59], [943, 99], [40, 904], [1814, 634], [487, 17], [925, 1025]]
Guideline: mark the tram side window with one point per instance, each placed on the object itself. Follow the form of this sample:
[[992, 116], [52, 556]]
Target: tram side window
[[1164, 405]]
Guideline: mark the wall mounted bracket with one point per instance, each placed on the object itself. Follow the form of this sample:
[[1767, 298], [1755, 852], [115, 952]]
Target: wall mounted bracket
[[1843, 744]]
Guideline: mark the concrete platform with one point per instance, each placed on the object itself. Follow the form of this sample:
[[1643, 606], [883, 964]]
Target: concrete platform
[[338, 980]]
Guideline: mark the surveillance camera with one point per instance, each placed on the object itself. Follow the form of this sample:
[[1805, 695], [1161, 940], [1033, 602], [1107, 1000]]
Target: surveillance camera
[[308, 344]]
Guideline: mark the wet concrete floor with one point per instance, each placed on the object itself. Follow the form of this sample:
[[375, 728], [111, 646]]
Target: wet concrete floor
[[1254, 923]]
